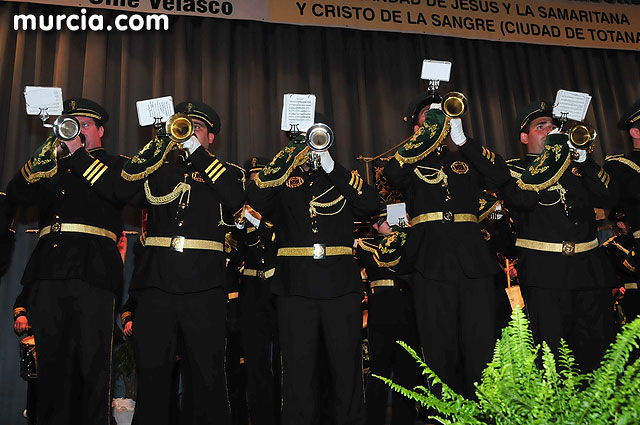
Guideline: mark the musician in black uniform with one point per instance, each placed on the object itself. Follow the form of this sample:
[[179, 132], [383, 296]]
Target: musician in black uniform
[[6, 233], [317, 280], [441, 179], [74, 275], [625, 179], [391, 318], [566, 279], [178, 281], [258, 322]]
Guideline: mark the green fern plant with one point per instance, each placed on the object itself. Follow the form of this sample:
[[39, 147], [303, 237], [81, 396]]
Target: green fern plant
[[519, 388]]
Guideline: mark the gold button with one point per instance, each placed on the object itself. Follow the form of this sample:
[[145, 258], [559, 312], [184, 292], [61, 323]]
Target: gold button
[[55, 245], [62, 192], [180, 223]]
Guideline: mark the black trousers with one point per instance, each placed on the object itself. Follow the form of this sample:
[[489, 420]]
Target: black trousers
[[200, 320], [456, 324], [584, 318], [387, 356], [258, 323], [73, 325], [302, 322]]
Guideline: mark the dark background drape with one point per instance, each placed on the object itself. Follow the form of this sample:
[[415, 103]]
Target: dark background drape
[[363, 80]]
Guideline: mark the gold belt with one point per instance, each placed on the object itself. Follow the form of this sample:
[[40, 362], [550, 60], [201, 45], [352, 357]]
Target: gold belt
[[179, 243], [259, 273], [636, 234], [78, 228], [318, 251], [382, 282], [446, 216], [565, 247], [632, 285]]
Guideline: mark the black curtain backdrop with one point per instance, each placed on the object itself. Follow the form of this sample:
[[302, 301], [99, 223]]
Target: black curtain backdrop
[[363, 80]]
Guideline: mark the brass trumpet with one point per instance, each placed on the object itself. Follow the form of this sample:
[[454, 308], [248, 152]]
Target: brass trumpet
[[454, 104], [582, 135], [179, 127]]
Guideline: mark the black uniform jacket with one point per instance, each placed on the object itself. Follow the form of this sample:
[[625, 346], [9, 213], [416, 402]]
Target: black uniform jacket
[[388, 305], [561, 213], [196, 214], [257, 248], [347, 198], [625, 185], [67, 198], [6, 233], [438, 248]]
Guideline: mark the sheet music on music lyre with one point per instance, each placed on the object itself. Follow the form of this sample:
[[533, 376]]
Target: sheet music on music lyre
[[572, 104], [38, 99], [150, 109], [298, 111]]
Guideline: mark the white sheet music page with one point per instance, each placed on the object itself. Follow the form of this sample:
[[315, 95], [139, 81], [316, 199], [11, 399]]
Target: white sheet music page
[[150, 109], [435, 70], [397, 214], [298, 111], [572, 103], [38, 98]]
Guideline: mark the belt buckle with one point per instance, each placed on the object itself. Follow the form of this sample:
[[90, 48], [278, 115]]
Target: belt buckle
[[447, 216], [177, 243], [319, 251], [260, 274], [56, 227], [568, 248]]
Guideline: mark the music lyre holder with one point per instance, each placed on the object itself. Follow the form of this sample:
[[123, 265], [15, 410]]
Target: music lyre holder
[[433, 86], [157, 123], [44, 116], [564, 117], [293, 132]]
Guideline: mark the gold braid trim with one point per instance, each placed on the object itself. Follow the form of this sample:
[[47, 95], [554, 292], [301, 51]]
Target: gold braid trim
[[541, 186], [440, 176], [413, 159], [626, 162], [177, 192], [300, 159], [367, 247], [139, 176], [389, 264]]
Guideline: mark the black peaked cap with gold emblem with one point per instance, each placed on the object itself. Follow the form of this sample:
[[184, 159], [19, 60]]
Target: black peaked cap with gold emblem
[[85, 108], [532, 111], [417, 104], [255, 164], [201, 111], [630, 117]]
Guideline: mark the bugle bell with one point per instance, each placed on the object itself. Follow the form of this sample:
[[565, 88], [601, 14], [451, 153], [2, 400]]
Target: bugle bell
[[454, 104], [319, 137], [66, 127], [582, 135], [179, 127]]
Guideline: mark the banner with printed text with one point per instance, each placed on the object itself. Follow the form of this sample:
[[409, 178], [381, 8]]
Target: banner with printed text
[[606, 24]]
